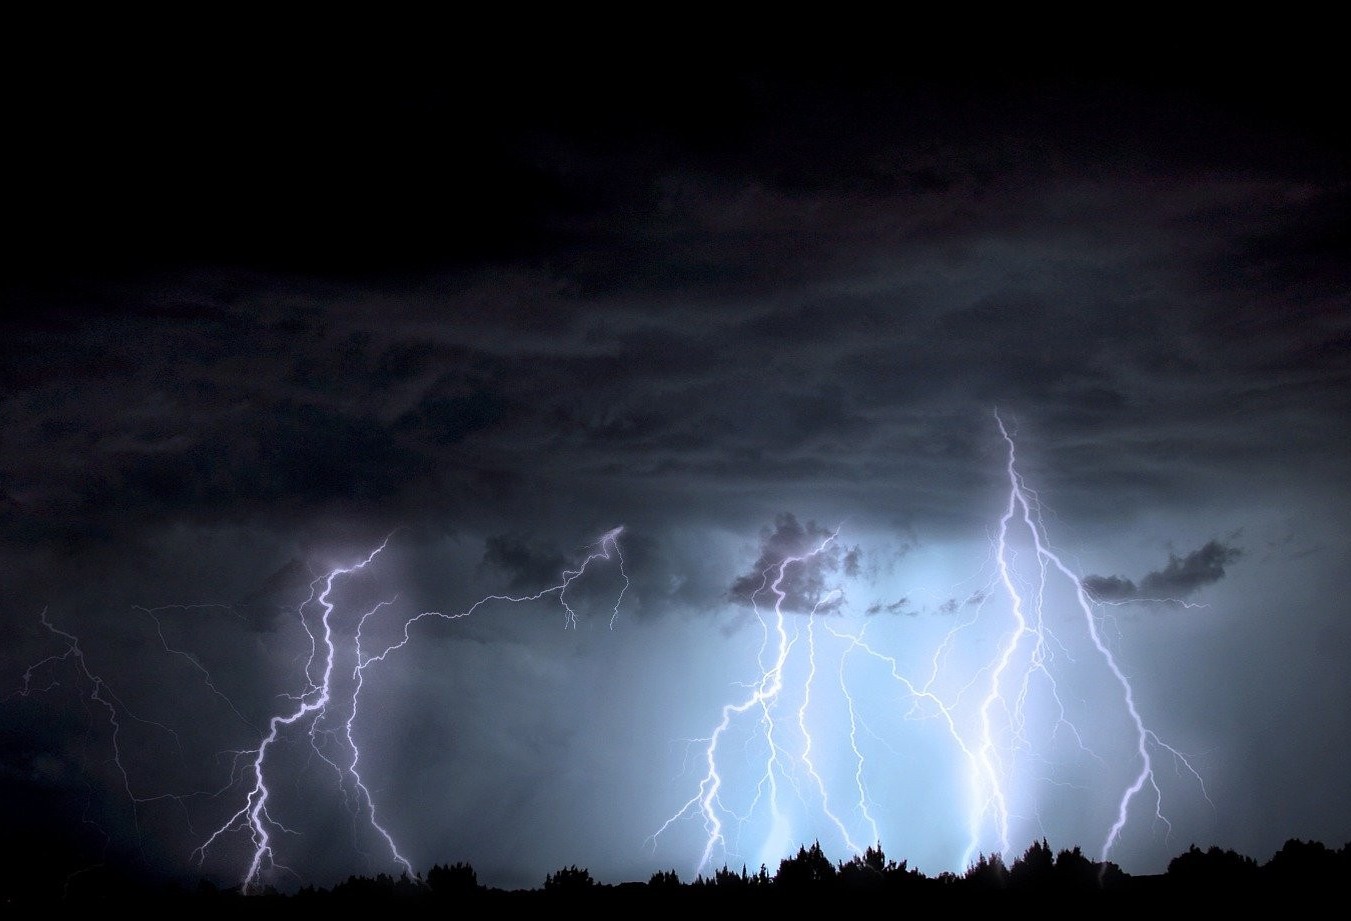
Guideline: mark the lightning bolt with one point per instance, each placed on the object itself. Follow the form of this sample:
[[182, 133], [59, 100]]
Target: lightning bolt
[[763, 700], [315, 707], [99, 692], [1023, 503], [311, 705], [324, 713], [806, 734], [985, 711]]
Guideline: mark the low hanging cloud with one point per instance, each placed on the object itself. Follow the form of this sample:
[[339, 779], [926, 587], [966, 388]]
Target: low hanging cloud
[[1182, 576], [899, 606], [528, 564], [804, 583]]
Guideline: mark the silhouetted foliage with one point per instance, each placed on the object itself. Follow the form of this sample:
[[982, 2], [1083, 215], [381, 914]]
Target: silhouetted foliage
[[1214, 867], [1110, 876], [869, 870], [1035, 870], [569, 879], [456, 879], [1076, 873], [809, 869], [730, 879], [987, 873], [1305, 864], [380, 888], [664, 879], [1070, 878]]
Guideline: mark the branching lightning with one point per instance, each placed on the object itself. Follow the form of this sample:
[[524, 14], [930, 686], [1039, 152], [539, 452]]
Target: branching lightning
[[102, 694], [764, 700], [999, 711], [311, 706], [801, 751], [1023, 502], [324, 713], [314, 704]]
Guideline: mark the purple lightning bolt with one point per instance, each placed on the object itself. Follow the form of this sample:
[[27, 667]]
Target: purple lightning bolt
[[316, 704]]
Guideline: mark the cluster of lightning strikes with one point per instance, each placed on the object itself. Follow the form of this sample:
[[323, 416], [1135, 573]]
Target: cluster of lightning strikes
[[804, 724], [983, 712], [324, 714]]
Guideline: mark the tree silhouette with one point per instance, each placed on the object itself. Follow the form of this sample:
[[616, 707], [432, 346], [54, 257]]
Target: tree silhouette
[[664, 879], [809, 869], [1076, 873], [569, 880], [730, 879], [380, 888], [1215, 877], [869, 870], [456, 879], [1035, 870], [1305, 865], [1212, 868], [987, 873]]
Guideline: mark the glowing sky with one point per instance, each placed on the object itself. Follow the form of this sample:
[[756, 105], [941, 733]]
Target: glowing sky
[[255, 327]]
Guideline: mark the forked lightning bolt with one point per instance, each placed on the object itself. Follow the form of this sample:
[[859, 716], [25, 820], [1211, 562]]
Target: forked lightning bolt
[[324, 713], [102, 694], [983, 711], [311, 706], [1023, 503], [763, 701], [803, 727], [314, 703]]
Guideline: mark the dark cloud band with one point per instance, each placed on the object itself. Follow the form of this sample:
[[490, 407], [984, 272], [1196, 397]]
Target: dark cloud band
[[1182, 577]]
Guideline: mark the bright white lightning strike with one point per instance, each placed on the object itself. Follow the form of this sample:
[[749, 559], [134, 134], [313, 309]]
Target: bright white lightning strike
[[1023, 503], [816, 760], [764, 698], [984, 711]]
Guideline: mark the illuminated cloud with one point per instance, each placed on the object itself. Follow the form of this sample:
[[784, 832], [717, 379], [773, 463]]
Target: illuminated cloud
[[805, 586]]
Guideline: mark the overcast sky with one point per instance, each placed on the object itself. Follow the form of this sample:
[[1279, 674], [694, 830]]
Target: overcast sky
[[257, 326]]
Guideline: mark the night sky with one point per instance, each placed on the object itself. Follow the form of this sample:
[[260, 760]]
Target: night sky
[[264, 316]]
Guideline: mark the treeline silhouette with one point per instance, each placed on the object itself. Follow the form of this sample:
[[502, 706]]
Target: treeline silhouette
[[1067, 877]]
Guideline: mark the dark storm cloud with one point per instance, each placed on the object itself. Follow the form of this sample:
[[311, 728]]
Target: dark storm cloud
[[528, 564], [805, 580], [731, 312], [294, 458], [1197, 569], [446, 420], [281, 591], [680, 301], [1183, 576]]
